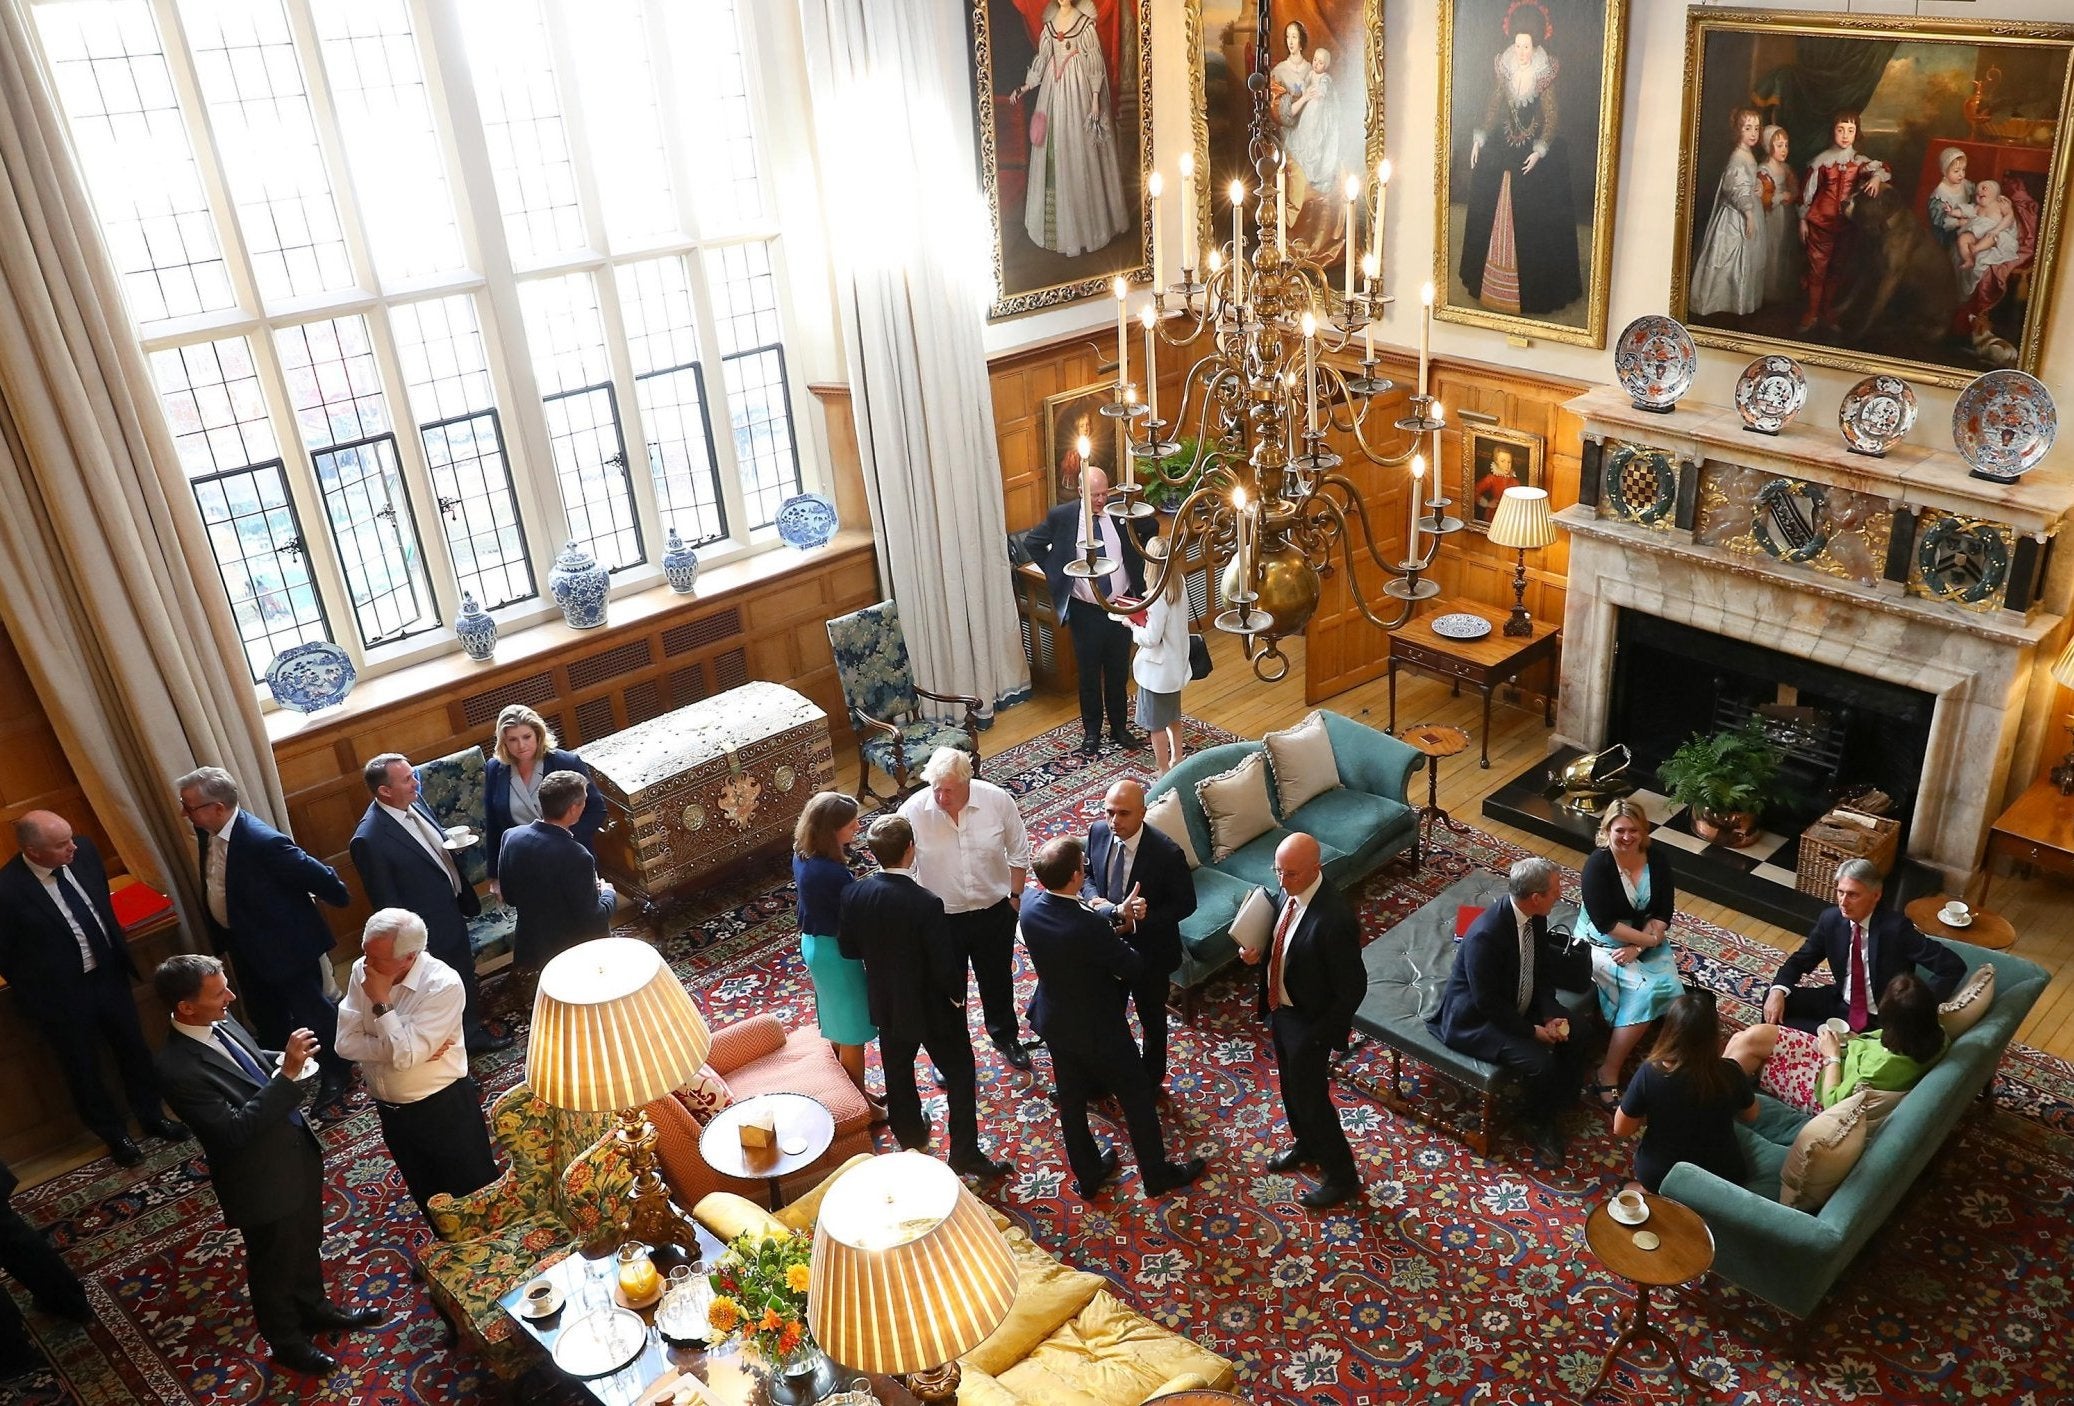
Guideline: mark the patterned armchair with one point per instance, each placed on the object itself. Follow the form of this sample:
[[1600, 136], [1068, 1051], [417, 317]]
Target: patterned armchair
[[452, 789], [885, 702], [532, 1216]]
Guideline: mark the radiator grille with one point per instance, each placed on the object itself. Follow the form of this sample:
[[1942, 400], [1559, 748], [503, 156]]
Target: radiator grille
[[594, 719], [687, 685], [730, 670], [480, 708], [622, 659], [696, 634], [644, 701]]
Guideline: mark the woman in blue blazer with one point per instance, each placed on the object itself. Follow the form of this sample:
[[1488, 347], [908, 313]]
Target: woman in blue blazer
[[525, 755]]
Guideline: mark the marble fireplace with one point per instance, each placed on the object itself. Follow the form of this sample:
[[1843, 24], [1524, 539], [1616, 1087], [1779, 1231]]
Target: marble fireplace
[[1905, 571]]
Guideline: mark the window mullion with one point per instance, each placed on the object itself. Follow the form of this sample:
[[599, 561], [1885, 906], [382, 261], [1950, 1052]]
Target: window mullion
[[642, 478], [685, 177], [577, 127], [718, 410], [422, 494], [324, 120]]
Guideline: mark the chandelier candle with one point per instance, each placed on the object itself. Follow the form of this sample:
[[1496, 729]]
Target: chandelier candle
[[1153, 186], [1371, 266], [1375, 231], [1147, 316], [1418, 501], [1087, 494], [1282, 209], [1238, 247], [1425, 333], [1353, 226], [1123, 341], [1310, 373], [1187, 204], [1213, 262]]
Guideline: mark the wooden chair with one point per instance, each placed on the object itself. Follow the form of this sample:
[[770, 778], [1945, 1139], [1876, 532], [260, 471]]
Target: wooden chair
[[885, 702]]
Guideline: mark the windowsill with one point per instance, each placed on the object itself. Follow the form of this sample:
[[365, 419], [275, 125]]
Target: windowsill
[[543, 643]]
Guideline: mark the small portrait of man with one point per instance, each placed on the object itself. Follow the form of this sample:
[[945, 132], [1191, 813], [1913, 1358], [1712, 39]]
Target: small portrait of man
[[1493, 465]]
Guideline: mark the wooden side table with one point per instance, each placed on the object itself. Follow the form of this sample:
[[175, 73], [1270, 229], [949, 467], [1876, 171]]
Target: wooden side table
[[1685, 1251], [803, 1124], [1433, 743], [1482, 663], [2038, 830], [1986, 930]]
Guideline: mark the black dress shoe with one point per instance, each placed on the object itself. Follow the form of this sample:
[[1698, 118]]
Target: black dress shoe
[[1329, 1193], [1287, 1160], [1090, 746], [1013, 1051], [482, 1042], [1174, 1176], [1128, 740], [333, 1319], [977, 1164], [1110, 1166], [306, 1357], [168, 1129], [125, 1152]]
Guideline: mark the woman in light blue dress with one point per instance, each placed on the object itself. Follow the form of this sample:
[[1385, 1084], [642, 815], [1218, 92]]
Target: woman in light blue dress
[[1629, 896], [820, 872]]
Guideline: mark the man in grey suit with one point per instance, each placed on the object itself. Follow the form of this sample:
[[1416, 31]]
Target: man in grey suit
[[551, 879]]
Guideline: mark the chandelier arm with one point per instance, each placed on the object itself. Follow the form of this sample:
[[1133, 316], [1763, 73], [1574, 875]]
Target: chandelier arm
[[1346, 552], [1338, 510], [1389, 461]]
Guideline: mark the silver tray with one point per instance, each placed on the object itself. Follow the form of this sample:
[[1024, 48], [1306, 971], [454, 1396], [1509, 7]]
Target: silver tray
[[585, 1349]]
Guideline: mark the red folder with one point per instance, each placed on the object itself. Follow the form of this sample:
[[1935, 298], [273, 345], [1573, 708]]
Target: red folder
[[137, 904], [1464, 916]]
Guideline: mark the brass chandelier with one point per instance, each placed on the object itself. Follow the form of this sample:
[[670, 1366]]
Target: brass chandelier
[[1270, 508]]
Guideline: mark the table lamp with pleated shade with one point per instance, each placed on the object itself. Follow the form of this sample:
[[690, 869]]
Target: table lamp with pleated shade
[[909, 1271], [2063, 673], [1524, 523], [613, 1029]]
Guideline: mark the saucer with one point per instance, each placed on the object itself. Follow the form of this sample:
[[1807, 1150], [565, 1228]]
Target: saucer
[[619, 1295], [1613, 1210], [452, 842], [548, 1309], [1944, 916], [1646, 1240]]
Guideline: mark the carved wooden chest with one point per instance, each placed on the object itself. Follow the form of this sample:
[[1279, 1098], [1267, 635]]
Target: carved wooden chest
[[693, 791]]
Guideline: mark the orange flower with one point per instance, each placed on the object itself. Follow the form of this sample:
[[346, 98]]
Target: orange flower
[[797, 1278], [789, 1339], [724, 1314], [771, 1322]]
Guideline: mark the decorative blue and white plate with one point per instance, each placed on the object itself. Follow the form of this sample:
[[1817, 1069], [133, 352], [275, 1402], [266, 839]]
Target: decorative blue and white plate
[[1876, 414], [1655, 361], [310, 676], [1461, 626], [1770, 392], [2003, 424], [806, 521]]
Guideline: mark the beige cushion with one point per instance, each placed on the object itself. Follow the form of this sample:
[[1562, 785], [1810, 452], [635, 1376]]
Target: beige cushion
[[1964, 1010], [1236, 806], [1304, 764], [1824, 1153], [1165, 816]]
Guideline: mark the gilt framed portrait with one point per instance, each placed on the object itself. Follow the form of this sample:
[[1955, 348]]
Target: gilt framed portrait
[[1494, 459], [1069, 416], [1324, 66], [1876, 193], [1530, 150], [1064, 98]]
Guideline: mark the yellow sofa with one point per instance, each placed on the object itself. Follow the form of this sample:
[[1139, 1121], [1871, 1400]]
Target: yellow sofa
[[1067, 1341]]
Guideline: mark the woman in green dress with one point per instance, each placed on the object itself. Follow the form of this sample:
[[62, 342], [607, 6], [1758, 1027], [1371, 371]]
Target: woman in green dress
[[1893, 1058]]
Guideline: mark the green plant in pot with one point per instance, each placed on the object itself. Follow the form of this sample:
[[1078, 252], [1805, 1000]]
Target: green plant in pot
[[1165, 495], [1726, 778]]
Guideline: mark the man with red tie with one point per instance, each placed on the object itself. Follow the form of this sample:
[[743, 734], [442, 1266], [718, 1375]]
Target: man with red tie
[[1864, 950], [1311, 983]]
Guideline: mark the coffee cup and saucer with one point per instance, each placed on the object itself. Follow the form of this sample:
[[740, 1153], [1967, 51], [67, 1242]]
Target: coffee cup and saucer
[[1628, 1207], [542, 1299], [1839, 1027], [1955, 915], [458, 837]]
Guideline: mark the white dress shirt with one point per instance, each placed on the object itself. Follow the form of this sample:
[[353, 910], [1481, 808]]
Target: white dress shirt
[[1856, 950], [1128, 849], [214, 867], [426, 834], [968, 862], [395, 1049], [49, 879], [1280, 958], [1118, 580]]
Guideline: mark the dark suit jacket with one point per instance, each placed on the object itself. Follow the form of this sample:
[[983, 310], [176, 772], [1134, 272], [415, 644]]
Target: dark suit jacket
[[268, 881], [1083, 971], [1056, 541], [38, 954], [1160, 870], [553, 883], [1482, 991], [912, 965], [496, 801], [398, 873], [1322, 971], [1892, 946], [262, 1164], [1606, 898]]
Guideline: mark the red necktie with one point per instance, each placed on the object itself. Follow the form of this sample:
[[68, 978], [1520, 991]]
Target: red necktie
[[1274, 957], [1860, 1007]]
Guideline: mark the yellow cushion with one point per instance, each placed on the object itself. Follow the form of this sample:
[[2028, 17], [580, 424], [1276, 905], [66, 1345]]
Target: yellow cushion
[[1823, 1153], [1187, 1381], [1164, 815], [1109, 1355], [977, 1388], [1047, 1294], [1304, 765], [728, 1215], [1235, 805], [1968, 1004]]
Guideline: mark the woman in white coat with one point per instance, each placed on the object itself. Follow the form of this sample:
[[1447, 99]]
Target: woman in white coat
[[1161, 668]]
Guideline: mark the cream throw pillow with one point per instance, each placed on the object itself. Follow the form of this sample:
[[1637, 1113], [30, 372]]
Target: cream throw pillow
[[1824, 1153], [1304, 765], [1236, 806], [1964, 1010], [1165, 815]]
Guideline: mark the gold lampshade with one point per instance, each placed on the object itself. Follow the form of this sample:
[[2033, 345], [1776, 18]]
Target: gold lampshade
[[1523, 520], [2063, 668], [909, 1270], [613, 1028]]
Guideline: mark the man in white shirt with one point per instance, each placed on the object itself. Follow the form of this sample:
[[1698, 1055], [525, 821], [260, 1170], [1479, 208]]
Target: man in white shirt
[[1101, 641], [972, 851], [400, 1020]]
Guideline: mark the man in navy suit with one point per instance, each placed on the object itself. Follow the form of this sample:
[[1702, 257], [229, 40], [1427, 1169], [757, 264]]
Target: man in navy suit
[[1101, 641], [257, 887], [1084, 972], [1138, 879], [551, 879], [1500, 1001], [398, 849], [264, 1160], [69, 969], [1856, 941], [1311, 982]]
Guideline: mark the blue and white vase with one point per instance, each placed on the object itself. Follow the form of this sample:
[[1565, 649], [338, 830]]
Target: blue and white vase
[[680, 564], [475, 629], [579, 586]]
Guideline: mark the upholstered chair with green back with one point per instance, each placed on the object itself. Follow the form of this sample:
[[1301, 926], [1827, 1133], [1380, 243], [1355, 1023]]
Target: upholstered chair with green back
[[885, 703], [452, 789]]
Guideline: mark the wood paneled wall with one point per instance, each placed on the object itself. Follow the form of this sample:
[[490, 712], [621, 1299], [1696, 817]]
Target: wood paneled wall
[[35, 773]]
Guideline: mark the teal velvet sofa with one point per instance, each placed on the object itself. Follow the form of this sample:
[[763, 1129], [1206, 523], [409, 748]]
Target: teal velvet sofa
[[1359, 826], [1790, 1258]]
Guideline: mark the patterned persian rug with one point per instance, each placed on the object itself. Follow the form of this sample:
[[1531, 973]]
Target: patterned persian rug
[[1457, 1278]]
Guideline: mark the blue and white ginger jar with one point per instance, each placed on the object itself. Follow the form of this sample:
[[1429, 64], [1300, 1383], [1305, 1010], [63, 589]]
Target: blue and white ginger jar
[[579, 586], [475, 629], [680, 564]]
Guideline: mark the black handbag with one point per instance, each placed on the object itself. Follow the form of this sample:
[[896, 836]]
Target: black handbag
[[1198, 657]]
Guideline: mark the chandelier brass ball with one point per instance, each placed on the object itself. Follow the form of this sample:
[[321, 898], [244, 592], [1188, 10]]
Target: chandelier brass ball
[[1289, 587]]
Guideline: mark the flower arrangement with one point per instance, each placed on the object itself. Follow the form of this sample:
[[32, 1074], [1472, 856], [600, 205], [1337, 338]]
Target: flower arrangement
[[760, 1293]]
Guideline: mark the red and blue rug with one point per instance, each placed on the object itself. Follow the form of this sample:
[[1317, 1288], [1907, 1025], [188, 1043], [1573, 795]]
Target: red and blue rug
[[1458, 1278]]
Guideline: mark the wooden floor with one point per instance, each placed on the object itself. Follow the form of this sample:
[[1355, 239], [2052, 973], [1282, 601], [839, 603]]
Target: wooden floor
[[2042, 909]]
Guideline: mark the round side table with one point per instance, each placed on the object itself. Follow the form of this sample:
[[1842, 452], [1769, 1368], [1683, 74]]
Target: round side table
[[1684, 1252], [1433, 742], [801, 1122], [1986, 930]]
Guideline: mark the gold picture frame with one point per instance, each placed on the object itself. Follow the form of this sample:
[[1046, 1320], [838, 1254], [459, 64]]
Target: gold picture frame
[[1495, 458], [1894, 292], [1067, 415], [1027, 276], [1217, 89], [1594, 34]]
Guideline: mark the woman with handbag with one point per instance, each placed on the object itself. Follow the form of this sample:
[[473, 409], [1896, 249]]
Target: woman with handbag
[[1161, 668]]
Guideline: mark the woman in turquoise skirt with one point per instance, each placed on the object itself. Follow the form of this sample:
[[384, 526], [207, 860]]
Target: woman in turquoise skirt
[[820, 873], [1629, 896]]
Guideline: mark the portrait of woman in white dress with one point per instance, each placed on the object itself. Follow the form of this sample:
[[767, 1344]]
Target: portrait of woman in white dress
[[1728, 275], [1075, 203]]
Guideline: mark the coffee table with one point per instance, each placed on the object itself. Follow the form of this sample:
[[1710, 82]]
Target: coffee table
[[1987, 929], [801, 1121], [624, 1387], [1685, 1252]]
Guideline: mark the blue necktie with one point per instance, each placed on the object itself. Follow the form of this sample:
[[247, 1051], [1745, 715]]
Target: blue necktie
[[1115, 885], [83, 914], [245, 1062]]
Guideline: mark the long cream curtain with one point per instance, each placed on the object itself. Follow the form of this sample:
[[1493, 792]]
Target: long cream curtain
[[105, 580]]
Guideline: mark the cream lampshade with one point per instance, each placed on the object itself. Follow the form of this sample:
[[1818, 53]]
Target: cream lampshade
[[1522, 522], [2063, 672], [909, 1272], [613, 1029]]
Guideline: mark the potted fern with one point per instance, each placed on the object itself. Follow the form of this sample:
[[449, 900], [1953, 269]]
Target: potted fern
[[1164, 494], [1726, 779]]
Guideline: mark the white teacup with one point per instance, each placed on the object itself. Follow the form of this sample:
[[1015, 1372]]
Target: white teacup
[[459, 832], [539, 1294], [1956, 912], [1630, 1204], [1839, 1027]]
